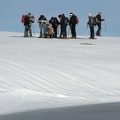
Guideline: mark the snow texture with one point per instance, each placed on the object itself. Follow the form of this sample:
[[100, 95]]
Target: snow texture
[[38, 73]]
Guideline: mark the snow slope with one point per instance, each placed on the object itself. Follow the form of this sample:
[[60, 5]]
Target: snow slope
[[48, 73]]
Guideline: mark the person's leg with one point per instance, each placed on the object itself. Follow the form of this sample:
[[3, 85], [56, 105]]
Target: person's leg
[[30, 31], [99, 29], [55, 31], [74, 31], [64, 31], [92, 32], [26, 31], [41, 30]]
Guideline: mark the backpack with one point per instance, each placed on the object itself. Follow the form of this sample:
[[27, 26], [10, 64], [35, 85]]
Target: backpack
[[96, 19], [66, 21], [32, 19], [92, 21], [77, 20], [23, 19], [56, 21]]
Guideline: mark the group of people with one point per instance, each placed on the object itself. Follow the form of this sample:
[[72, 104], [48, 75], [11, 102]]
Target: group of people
[[49, 28], [93, 21]]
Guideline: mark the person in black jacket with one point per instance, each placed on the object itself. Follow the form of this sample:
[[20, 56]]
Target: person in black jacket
[[73, 25], [64, 21], [54, 22], [98, 20]]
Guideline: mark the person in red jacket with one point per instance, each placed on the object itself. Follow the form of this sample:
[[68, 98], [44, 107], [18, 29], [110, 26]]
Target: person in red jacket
[[28, 20]]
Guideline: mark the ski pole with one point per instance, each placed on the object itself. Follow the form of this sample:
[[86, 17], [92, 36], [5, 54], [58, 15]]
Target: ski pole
[[33, 31], [105, 26], [87, 30], [57, 30], [68, 31]]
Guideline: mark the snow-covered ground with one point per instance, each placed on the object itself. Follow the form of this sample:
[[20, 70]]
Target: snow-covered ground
[[50, 73]]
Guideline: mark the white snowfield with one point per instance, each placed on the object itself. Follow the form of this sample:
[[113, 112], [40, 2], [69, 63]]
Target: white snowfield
[[49, 73]]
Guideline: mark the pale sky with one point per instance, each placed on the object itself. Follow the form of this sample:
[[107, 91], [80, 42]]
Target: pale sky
[[12, 10]]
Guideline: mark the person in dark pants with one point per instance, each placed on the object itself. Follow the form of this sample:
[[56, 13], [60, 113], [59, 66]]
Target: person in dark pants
[[59, 16], [73, 25], [63, 25], [54, 22], [98, 20], [91, 25], [26, 24]]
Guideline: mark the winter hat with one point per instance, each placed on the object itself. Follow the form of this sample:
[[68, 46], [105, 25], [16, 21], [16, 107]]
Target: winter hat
[[52, 18], [100, 13], [42, 16], [71, 14], [29, 13], [89, 15], [59, 16], [63, 15]]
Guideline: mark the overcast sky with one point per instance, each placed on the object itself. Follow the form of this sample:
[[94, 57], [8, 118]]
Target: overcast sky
[[12, 10]]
